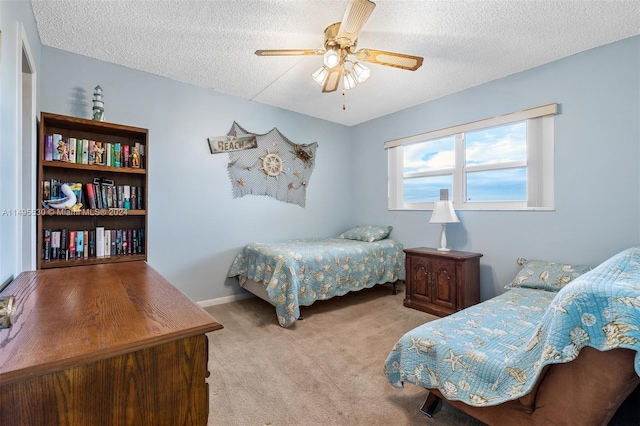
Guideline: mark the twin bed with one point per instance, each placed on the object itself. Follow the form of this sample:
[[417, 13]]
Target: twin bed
[[295, 273]]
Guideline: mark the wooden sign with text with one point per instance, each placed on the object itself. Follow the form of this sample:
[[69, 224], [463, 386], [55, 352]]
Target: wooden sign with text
[[219, 144]]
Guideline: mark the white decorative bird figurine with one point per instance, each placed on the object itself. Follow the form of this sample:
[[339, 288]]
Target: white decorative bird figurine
[[67, 202]]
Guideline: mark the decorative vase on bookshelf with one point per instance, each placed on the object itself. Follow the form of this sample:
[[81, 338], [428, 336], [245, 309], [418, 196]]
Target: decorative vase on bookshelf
[[105, 165]]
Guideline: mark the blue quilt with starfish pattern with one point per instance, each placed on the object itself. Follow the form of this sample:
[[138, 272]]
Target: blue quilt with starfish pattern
[[299, 272], [494, 351]]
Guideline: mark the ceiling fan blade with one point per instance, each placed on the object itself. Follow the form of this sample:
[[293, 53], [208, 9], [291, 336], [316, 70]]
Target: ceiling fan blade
[[290, 52], [357, 13], [333, 79], [390, 59]]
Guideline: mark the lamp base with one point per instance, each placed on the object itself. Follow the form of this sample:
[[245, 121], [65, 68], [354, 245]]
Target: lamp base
[[443, 239]]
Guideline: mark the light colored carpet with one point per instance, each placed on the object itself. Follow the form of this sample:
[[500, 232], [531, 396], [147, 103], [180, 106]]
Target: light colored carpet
[[324, 370]]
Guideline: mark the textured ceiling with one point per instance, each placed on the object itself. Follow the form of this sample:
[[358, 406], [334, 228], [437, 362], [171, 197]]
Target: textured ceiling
[[211, 43]]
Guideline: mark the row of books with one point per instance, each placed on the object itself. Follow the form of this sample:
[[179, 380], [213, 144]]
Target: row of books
[[65, 244], [86, 151], [99, 194]]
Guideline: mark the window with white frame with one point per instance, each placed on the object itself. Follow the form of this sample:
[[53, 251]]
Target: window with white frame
[[501, 163]]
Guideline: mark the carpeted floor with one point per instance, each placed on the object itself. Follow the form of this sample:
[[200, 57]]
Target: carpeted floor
[[324, 370]]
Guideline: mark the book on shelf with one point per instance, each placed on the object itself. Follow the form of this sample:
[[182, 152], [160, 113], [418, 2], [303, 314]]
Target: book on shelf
[[119, 196], [46, 190], [55, 245], [134, 241], [108, 156], [64, 249], [113, 243], [57, 147], [126, 194], [46, 244], [48, 148], [85, 253], [100, 241], [113, 155], [78, 144], [141, 200], [72, 245], [125, 242], [118, 242], [117, 157], [107, 243], [91, 159], [90, 236], [125, 156], [72, 149], [89, 189], [79, 244], [85, 151], [143, 158], [54, 192]]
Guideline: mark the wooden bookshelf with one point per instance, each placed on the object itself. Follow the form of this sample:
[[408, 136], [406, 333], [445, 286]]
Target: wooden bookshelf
[[88, 218]]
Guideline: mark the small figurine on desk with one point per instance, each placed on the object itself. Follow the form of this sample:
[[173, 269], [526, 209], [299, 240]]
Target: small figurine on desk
[[98, 104]]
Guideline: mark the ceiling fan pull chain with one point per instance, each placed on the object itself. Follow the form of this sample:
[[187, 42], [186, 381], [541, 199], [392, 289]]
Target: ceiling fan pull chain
[[344, 100]]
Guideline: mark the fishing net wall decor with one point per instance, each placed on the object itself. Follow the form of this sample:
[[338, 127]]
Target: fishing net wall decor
[[277, 168]]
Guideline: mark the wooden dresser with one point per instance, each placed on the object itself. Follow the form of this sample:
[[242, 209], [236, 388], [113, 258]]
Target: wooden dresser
[[112, 344], [441, 282]]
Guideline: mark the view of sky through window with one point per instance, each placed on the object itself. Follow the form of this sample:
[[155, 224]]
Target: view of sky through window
[[483, 148]]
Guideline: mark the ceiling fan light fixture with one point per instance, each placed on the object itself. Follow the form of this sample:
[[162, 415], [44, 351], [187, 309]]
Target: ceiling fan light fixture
[[320, 76], [349, 80], [332, 57], [362, 72]]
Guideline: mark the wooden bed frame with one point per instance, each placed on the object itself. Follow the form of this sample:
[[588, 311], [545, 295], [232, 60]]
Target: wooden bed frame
[[586, 391]]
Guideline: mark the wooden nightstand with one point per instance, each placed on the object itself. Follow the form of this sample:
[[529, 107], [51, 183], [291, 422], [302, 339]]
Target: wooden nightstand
[[441, 282]]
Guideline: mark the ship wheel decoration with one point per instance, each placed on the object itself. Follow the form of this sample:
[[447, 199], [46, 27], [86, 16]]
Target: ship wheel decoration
[[271, 164], [276, 167]]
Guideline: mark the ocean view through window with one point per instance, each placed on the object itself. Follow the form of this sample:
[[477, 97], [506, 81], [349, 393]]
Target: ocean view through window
[[501, 163]]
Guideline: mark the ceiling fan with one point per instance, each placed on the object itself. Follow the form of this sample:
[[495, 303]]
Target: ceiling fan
[[341, 56]]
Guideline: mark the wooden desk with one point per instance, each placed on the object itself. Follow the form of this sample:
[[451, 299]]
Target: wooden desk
[[108, 344]]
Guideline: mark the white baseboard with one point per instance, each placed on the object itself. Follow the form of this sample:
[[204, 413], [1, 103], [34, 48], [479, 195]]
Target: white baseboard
[[226, 299]]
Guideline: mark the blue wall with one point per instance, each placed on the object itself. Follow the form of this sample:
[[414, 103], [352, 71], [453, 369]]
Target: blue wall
[[195, 226], [597, 153]]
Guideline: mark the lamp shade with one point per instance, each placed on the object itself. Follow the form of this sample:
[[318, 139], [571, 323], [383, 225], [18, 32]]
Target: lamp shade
[[320, 76], [443, 212], [331, 57], [349, 80], [362, 73]]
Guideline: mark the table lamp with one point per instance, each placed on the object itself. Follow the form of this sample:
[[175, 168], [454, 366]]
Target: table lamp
[[444, 213]]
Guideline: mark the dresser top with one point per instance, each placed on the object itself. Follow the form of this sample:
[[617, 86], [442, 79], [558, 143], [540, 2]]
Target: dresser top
[[71, 316], [452, 254]]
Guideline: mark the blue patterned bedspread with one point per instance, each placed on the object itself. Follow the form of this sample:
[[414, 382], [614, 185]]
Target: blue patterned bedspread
[[494, 352], [299, 272]]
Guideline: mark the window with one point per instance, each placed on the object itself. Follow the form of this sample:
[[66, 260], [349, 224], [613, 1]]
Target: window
[[501, 163]]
